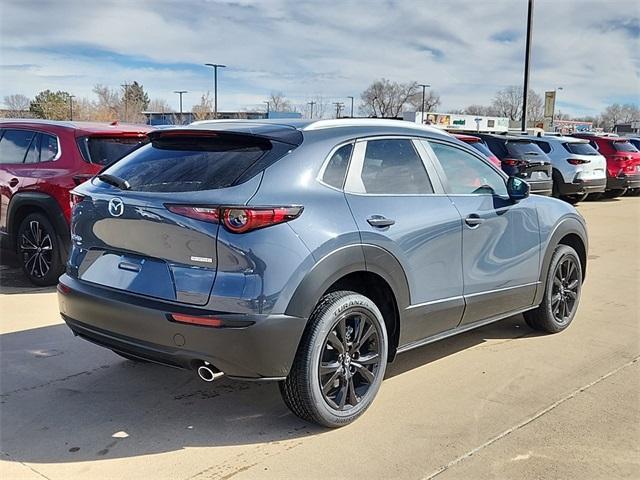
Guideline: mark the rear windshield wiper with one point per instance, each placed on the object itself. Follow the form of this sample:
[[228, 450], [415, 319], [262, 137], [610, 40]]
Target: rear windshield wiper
[[115, 181]]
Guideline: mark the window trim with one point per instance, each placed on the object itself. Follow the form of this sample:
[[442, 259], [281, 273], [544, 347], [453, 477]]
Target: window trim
[[443, 175], [353, 184], [325, 163]]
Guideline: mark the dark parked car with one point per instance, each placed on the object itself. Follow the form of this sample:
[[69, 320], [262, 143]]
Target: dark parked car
[[480, 145], [40, 161], [522, 158], [311, 253]]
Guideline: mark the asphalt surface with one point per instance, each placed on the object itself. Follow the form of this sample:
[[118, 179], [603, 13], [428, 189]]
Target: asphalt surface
[[502, 402]]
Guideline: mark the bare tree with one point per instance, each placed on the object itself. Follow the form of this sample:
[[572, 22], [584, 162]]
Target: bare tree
[[508, 103], [160, 105], [204, 109], [108, 105], [431, 100], [483, 110], [618, 113], [279, 103], [17, 105], [384, 98]]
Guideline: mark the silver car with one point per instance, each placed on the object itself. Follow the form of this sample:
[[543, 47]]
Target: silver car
[[578, 168]]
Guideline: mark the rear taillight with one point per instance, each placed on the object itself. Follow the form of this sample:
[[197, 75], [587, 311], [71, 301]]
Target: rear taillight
[[75, 199], [239, 219], [577, 161], [78, 179], [512, 162]]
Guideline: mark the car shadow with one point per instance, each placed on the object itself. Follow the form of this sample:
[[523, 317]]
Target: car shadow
[[66, 400], [13, 280]]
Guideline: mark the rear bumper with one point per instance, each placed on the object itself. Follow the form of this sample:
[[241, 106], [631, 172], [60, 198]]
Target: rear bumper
[[580, 187], [265, 350], [623, 181], [543, 187]]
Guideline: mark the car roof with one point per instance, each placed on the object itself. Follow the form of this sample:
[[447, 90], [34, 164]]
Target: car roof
[[556, 138], [87, 127], [499, 136], [279, 127]]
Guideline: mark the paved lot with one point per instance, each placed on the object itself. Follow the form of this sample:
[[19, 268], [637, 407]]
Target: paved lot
[[499, 403]]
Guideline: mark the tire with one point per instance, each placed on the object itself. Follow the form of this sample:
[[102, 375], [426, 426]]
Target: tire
[[614, 193], [633, 192], [129, 357], [339, 317], [595, 196], [574, 199], [41, 250], [563, 286]]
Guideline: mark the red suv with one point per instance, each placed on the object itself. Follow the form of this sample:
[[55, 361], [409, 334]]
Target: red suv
[[40, 161], [623, 162]]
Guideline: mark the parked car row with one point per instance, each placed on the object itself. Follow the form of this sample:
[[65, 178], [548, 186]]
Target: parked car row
[[568, 167]]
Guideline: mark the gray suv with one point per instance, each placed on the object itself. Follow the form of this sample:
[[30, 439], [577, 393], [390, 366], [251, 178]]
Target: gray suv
[[311, 253]]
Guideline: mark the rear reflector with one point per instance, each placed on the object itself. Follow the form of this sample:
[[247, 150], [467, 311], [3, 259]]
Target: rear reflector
[[239, 219], [64, 289], [207, 321]]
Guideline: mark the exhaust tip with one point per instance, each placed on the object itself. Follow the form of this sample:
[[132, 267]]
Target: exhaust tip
[[207, 373]]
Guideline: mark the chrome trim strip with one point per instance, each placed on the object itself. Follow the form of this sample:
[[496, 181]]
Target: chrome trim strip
[[434, 302], [477, 294], [461, 329]]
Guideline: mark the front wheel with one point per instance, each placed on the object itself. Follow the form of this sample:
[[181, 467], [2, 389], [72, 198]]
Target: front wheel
[[562, 293], [340, 362]]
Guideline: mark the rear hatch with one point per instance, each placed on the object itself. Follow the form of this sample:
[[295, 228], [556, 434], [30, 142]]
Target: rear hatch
[[590, 165], [626, 158], [129, 226], [531, 162]]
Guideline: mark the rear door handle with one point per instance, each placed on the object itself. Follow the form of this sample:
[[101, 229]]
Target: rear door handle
[[13, 182], [380, 221], [473, 220]]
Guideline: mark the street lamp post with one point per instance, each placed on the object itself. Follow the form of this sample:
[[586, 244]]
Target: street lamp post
[[180, 92], [215, 67], [525, 91], [71, 97], [268, 106], [311, 104], [351, 106], [424, 87]]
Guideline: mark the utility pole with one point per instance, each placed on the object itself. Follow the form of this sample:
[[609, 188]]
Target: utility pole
[[180, 92], [311, 104], [339, 106], [525, 92], [126, 90], [71, 97], [351, 106], [424, 87], [215, 67], [268, 106]]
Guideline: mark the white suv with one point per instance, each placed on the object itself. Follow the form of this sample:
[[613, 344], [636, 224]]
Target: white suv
[[578, 168]]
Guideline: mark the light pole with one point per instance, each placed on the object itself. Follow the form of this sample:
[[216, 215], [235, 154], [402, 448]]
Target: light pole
[[71, 97], [215, 67], [351, 106], [424, 87], [268, 106], [339, 106], [527, 54], [180, 92], [373, 104], [311, 104], [126, 89]]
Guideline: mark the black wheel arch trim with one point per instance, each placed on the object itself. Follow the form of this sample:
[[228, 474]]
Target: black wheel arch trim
[[341, 262], [42, 201], [566, 226]]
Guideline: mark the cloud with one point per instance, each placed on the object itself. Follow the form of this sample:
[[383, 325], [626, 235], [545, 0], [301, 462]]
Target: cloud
[[465, 49]]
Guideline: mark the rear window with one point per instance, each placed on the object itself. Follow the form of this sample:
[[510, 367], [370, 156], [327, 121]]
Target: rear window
[[185, 163], [624, 147], [106, 150], [521, 149], [580, 148], [482, 148]]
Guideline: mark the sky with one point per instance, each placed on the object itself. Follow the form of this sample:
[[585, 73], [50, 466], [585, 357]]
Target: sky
[[466, 49]]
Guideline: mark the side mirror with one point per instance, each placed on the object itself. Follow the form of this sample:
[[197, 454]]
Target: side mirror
[[517, 189]]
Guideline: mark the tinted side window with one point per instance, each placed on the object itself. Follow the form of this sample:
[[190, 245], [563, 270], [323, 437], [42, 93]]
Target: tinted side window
[[336, 169], [14, 144], [544, 146], [48, 148], [468, 174], [33, 153], [497, 147], [394, 167]]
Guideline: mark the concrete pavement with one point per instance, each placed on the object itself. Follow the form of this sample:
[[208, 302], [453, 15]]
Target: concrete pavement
[[502, 402]]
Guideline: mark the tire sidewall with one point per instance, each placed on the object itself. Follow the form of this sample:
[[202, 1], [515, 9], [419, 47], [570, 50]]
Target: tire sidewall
[[328, 319], [57, 263]]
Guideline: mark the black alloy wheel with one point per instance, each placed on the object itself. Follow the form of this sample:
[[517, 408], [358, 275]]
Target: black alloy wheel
[[350, 360], [40, 250], [564, 293]]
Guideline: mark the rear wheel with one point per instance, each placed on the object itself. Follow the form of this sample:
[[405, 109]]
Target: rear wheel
[[340, 363], [561, 295], [41, 250], [614, 193], [573, 199]]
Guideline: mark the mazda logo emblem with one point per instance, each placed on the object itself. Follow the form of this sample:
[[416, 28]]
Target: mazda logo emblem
[[116, 207]]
